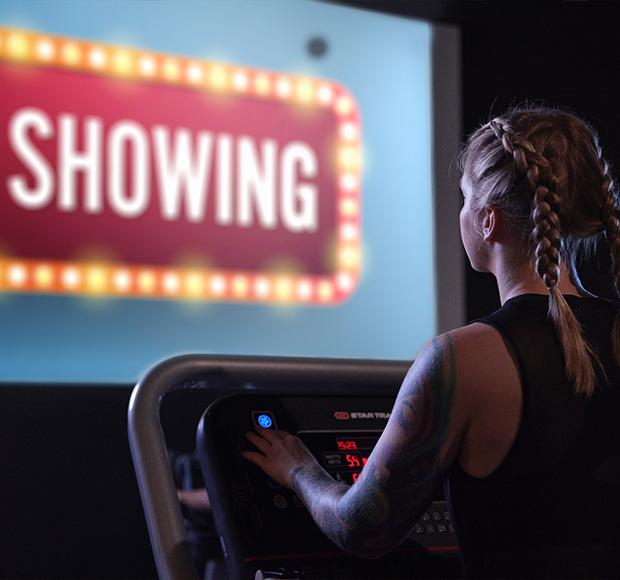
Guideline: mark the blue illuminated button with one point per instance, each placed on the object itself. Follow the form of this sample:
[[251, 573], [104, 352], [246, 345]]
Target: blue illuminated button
[[265, 421]]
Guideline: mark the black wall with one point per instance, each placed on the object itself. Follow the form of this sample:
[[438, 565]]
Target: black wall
[[70, 507]]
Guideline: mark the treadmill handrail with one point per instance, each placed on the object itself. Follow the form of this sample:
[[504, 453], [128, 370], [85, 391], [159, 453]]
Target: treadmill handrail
[[148, 446]]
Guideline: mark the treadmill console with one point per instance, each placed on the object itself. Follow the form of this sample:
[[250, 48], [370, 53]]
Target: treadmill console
[[260, 522]]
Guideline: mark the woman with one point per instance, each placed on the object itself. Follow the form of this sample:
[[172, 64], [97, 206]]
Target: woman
[[519, 412]]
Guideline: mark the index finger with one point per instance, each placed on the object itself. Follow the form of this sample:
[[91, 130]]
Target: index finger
[[271, 434]]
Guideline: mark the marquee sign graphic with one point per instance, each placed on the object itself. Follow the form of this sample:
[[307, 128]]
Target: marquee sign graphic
[[130, 173]]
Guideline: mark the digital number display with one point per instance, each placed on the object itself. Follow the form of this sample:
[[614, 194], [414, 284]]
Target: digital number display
[[346, 461]]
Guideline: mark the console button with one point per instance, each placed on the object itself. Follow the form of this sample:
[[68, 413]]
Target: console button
[[430, 528], [441, 528], [280, 501], [264, 420], [436, 516]]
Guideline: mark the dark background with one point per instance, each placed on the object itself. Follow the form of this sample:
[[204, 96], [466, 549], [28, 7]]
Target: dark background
[[69, 501]]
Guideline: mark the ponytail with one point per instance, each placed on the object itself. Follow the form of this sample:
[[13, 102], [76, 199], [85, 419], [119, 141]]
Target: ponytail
[[579, 358]]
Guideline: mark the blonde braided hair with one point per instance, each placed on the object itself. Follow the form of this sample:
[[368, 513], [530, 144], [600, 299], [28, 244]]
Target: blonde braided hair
[[544, 169], [547, 236]]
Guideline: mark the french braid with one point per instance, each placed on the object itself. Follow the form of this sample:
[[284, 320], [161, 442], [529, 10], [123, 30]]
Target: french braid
[[547, 238], [611, 222]]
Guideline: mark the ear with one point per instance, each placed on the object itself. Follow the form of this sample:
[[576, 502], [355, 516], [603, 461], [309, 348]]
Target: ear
[[491, 224]]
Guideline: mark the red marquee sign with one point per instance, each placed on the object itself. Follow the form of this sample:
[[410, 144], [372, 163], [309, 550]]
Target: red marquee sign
[[125, 172]]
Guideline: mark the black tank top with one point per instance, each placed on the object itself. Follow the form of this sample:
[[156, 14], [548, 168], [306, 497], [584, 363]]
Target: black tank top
[[552, 507]]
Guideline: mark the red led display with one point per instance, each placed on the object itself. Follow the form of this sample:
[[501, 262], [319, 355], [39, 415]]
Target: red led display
[[346, 445]]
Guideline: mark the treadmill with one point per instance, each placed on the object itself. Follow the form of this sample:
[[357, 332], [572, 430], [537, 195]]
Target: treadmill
[[337, 407]]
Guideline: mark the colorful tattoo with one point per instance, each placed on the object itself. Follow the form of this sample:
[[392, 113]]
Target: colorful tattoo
[[401, 475]]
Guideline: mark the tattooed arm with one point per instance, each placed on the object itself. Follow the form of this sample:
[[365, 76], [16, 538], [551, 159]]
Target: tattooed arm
[[377, 513]]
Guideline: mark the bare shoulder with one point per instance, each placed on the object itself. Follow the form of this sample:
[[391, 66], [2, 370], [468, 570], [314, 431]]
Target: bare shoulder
[[471, 354], [476, 373]]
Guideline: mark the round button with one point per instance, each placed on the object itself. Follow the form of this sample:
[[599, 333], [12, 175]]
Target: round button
[[446, 516], [451, 527], [426, 517], [265, 421], [418, 529], [280, 501], [430, 528], [436, 516], [441, 528]]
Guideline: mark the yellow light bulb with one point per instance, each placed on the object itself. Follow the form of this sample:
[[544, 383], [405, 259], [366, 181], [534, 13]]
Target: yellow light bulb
[[194, 284], [71, 54], [96, 279], [123, 63], [170, 70], [17, 46], [147, 281], [218, 77], [43, 276]]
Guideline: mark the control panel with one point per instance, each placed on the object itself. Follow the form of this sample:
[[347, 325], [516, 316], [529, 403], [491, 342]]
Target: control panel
[[261, 520]]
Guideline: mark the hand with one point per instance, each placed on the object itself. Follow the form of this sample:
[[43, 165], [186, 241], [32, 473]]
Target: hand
[[196, 499], [281, 454]]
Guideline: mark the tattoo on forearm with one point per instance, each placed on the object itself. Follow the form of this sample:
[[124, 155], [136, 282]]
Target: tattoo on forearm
[[402, 472]]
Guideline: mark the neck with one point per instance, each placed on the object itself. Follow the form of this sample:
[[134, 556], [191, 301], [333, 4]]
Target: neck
[[514, 279]]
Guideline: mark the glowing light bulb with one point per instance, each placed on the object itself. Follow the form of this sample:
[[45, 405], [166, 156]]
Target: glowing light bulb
[[325, 291], [218, 285], [240, 286], [349, 257], [171, 283], [43, 276], [194, 284], [304, 91], [17, 46], [348, 131], [284, 289], [262, 287], [96, 279], [325, 94], [170, 69], [344, 105], [348, 207], [283, 87], [122, 280], [345, 282], [97, 58], [240, 81], [17, 274], [194, 73], [350, 157], [349, 232], [146, 281], [71, 54], [218, 77], [304, 289], [349, 182], [147, 66], [71, 277], [45, 49], [262, 84], [123, 62]]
